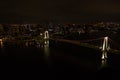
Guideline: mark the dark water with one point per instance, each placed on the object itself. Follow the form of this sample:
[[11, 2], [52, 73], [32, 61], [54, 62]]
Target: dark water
[[58, 62]]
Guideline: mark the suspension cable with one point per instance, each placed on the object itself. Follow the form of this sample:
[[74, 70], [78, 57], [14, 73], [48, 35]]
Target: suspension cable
[[90, 40]]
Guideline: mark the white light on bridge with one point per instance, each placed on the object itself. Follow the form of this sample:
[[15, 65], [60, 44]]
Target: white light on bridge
[[105, 48], [46, 35], [105, 44], [106, 38]]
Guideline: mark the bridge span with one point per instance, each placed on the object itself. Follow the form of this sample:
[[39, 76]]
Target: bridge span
[[84, 44]]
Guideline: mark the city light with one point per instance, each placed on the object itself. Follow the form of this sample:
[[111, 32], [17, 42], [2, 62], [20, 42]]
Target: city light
[[1, 42], [41, 34]]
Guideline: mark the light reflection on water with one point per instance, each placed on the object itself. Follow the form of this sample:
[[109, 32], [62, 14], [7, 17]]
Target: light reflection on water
[[47, 52], [104, 63], [53, 55], [46, 49]]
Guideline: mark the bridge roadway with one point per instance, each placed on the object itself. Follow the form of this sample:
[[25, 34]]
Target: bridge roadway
[[76, 42]]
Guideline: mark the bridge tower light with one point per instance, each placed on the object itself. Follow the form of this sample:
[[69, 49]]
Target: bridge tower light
[[105, 48], [46, 35]]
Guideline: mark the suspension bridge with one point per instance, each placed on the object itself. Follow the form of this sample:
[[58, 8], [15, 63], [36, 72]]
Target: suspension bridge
[[105, 44]]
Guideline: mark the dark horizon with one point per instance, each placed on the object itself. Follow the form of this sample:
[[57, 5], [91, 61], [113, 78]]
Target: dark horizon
[[38, 20], [61, 11]]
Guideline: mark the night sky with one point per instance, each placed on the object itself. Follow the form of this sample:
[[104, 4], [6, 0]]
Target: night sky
[[60, 11]]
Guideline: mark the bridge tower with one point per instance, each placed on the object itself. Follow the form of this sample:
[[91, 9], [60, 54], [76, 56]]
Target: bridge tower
[[46, 37], [105, 48]]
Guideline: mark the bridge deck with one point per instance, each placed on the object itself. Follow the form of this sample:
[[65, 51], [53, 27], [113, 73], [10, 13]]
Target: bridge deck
[[84, 44]]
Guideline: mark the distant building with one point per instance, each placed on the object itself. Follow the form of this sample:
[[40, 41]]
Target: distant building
[[14, 29], [1, 29]]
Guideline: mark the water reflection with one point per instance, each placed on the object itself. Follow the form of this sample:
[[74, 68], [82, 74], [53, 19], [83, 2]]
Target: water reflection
[[104, 55], [104, 63], [46, 47], [104, 59], [37, 44], [47, 43], [46, 50]]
